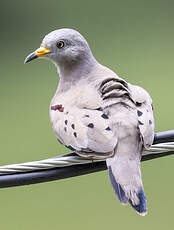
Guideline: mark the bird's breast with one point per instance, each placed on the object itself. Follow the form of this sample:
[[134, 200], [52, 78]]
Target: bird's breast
[[69, 113]]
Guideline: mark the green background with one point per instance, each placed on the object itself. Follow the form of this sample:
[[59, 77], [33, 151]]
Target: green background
[[134, 38]]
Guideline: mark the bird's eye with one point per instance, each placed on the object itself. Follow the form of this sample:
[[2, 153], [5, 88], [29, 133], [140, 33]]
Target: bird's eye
[[60, 44]]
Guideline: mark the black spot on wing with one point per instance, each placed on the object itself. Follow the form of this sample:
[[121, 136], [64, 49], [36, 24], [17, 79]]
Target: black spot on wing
[[75, 134], [86, 115], [104, 116], [138, 104], [65, 129], [139, 113], [108, 128], [140, 123], [99, 109], [66, 122], [73, 126], [150, 122], [91, 125]]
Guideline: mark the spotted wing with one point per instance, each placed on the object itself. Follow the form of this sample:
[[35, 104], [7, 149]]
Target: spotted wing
[[115, 91], [87, 132], [145, 114]]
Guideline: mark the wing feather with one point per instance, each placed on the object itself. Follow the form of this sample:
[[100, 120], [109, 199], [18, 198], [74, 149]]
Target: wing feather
[[144, 113]]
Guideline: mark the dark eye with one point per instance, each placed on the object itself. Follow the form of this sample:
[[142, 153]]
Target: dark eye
[[60, 44]]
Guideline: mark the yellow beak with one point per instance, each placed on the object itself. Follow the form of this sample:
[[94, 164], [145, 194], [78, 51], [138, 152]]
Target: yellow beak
[[42, 51]]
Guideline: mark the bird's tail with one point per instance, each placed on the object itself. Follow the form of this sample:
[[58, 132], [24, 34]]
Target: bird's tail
[[125, 177]]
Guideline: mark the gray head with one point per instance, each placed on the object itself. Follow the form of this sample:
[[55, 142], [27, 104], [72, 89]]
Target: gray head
[[66, 48]]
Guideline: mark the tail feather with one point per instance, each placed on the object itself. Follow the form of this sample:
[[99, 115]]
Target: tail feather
[[125, 177], [119, 192], [141, 207]]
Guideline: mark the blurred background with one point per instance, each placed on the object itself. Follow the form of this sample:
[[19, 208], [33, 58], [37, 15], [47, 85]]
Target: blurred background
[[134, 38]]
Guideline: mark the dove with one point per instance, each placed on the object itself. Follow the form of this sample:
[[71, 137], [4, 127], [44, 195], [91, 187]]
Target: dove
[[97, 114]]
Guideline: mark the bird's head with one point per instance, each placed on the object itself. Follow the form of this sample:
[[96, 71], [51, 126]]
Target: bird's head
[[62, 46]]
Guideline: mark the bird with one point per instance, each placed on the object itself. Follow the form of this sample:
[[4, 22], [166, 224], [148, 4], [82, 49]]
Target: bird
[[98, 114]]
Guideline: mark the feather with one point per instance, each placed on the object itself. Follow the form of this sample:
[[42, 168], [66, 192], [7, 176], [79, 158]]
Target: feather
[[126, 180]]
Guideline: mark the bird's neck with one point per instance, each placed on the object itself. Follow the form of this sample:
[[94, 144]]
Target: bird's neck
[[72, 72]]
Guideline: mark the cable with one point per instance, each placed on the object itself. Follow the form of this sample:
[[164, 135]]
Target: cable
[[71, 165]]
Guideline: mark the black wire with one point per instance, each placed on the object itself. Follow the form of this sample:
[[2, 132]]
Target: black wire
[[27, 178], [162, 137]]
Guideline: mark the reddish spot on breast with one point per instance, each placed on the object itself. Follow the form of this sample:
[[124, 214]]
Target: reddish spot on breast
[[57, 107], [61, 109]]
